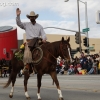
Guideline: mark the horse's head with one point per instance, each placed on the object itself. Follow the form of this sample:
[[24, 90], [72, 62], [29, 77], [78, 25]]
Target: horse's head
[[65, 49]]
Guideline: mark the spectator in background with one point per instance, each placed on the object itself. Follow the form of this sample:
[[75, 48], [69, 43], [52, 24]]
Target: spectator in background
[[82, 54], [98, 66], [93, 69], [85, 65], [71, 70], [76, 59], [90, 64], [5, 72], [75, 68], [95, 66], [82, 60], [79, 68], [62, 66], [58, 68]]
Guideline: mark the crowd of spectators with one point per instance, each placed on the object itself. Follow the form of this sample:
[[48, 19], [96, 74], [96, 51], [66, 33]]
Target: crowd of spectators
[[5, 67], [85, 64]]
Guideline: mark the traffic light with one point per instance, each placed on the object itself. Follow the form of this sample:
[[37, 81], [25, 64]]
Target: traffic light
[[73, 52], [85, 41], [87, 51], [78, 49], [77, 37]]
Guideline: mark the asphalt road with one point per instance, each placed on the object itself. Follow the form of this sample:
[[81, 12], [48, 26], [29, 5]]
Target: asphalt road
[[74, 87]]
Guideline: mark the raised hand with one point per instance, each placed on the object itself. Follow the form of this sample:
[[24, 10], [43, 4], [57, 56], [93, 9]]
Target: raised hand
[[18, 11]]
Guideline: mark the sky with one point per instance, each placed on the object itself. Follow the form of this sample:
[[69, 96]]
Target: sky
[[52, 13]]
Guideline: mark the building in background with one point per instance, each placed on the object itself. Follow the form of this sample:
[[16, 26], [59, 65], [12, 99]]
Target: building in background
[[8, 41], [94, 43]]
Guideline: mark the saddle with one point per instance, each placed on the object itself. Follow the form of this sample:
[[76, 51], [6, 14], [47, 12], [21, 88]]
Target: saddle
[[36, 42], [34, 46]]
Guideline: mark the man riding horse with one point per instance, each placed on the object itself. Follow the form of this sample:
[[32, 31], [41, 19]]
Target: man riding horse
[[33, 30]]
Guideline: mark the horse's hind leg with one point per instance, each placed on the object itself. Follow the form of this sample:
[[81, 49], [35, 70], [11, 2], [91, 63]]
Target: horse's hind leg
[[54, 77], [26, 77], [39, 77], [13, 79]]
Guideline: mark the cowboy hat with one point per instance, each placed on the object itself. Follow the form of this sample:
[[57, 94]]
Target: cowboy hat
[[32, 13]]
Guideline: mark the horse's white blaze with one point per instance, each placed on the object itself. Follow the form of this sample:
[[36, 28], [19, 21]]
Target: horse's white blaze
[[12, 90], [70, 54], [26, 94], [38, 94], [60, 93]]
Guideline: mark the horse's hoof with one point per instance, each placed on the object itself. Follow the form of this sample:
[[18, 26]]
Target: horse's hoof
[[28, 98], [61, 99], [10, 96]]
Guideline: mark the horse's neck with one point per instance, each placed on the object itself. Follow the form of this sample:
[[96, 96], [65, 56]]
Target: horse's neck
[[55, 48]]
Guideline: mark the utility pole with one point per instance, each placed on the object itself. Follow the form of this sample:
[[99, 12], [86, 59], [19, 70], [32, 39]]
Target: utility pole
[[79, 26], [86, 19]]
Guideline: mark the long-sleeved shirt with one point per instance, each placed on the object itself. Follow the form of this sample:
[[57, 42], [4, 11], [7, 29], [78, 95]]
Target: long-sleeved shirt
[[32, 31]]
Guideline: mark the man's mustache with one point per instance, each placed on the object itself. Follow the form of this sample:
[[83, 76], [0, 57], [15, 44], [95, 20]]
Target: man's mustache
[[32, 20]]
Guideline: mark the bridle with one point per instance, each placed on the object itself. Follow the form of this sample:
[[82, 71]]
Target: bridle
[[61, 50]]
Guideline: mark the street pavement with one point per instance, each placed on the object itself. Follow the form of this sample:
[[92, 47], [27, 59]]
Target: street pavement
[[74, 87]]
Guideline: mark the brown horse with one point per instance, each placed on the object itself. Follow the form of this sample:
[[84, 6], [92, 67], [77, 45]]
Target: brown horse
[[47, 66]]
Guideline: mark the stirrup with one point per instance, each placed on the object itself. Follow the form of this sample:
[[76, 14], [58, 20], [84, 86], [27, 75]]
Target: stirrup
[[25, 70]]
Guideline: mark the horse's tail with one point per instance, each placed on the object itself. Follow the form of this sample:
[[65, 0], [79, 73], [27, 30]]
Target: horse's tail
[[9, 81]]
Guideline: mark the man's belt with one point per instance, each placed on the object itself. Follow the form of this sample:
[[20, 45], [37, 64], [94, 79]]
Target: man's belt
[[28, 40]]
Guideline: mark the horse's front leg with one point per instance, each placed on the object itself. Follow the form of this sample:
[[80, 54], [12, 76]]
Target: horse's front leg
[[54, 77], [26, 77], [39, 77]]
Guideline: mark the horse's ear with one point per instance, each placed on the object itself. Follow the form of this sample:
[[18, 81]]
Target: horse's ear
[[68, 40], [62, 39]]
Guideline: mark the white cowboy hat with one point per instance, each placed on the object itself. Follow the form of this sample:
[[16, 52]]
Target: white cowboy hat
[[32, 13]]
